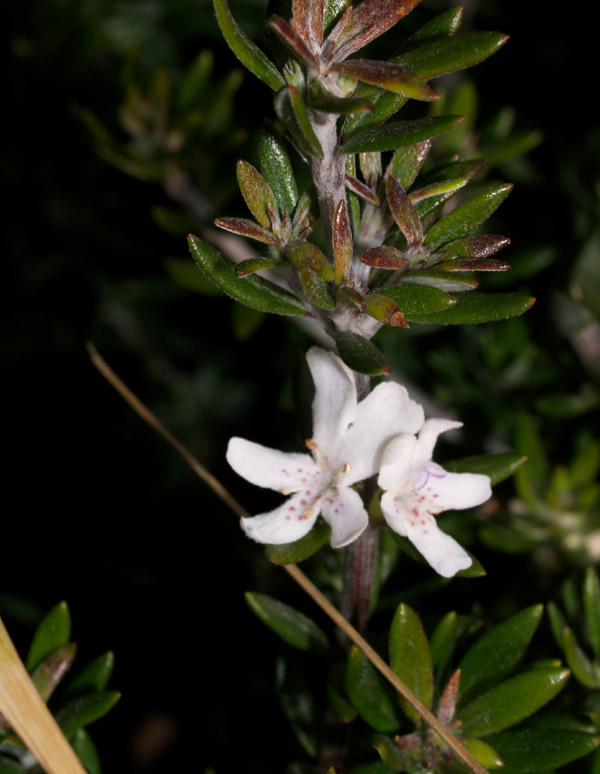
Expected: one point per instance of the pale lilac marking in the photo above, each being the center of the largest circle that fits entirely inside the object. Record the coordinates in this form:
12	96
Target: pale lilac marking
419	478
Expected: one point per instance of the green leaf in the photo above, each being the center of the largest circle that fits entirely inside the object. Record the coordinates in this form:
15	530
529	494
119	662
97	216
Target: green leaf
251	265
257	194
93	677
395	758
481	307
443	641
292	553
486	755
291	109
291	625
498	467
584	670
361	355
449	54
53	632
496	653
305	255
428	61
48	674
370	693
532	478
316	289
511	701
434	278
398	134
344	711
85	710
343	106
528	751
415	300
277	170
465	218
86	751
441	26
246	51
253	291
407	161
591	606
410	658
557	623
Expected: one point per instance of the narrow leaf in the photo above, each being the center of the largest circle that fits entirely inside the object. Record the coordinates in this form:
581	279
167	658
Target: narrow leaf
479	308
407	162
246	51
362	190
316	290
292	553
444	25
85	710
291	625
394	757
410	658
511	701
486	755
388	76
591	606
255	292
251	265
584	670
447	181
399	134
86	751
308	19
473	264
463	220
496	653
361	355
370	693
498	467
342	243
417	300
304	123
475	247
48	674
257	194
404	213
308	256
440	280
246	228
385	257
293	41
93	677
385	310
531	750
53	632
277	170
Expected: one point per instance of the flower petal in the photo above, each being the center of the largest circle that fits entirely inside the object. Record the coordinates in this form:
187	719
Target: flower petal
286	524
344	511
442	552
271	468
334	404
428	437
456	491
383	414
396	464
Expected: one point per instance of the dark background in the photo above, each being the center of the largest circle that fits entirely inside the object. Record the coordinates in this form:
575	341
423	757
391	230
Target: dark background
98	510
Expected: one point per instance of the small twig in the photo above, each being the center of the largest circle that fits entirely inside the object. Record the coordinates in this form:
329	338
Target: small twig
461	752
29	717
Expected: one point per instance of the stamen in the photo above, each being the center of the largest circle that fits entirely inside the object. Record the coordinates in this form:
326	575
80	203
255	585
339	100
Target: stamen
347	468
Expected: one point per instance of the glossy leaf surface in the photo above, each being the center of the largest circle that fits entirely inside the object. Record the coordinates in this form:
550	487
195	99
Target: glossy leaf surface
361	355
53	632
257	194
291	553
252	265
94	676
246	51
398	134
479	308
291	625
86	751
497	652
531	750
48	674
277	170
370	693
85	710
416	300
511	701
410	658
255	292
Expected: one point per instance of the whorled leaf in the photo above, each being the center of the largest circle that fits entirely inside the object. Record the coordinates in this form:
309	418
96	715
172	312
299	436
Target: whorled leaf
361	355
473	264
385	257
342	243
498	467
531	750
482	307
277	170
48	674
293	41
316	289
388	76
398	134
251	265
404	213
410	658
385	309
291	625
370	693
407	162
416	300
444	25
305	255
343	106
246	228
440	280
257	194
53	632
474	247
291	553
368	21
362	190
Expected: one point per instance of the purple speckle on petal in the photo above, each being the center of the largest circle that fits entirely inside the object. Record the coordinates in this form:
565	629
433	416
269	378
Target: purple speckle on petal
291	508
303	502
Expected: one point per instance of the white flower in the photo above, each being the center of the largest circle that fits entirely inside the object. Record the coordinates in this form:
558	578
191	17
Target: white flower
346	447
416	488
